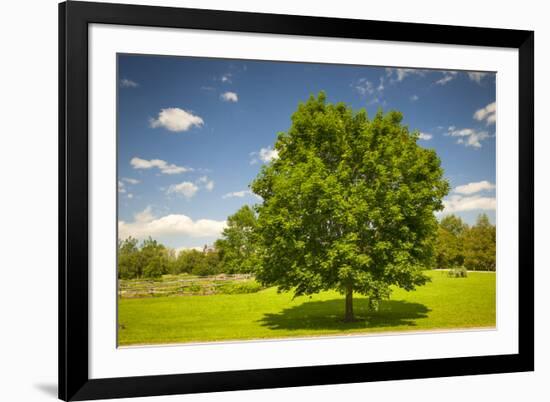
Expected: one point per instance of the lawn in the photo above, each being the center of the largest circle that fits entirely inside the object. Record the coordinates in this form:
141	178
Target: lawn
441	304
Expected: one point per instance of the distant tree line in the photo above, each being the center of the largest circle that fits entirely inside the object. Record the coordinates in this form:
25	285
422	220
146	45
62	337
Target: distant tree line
460	245
457	245
234	252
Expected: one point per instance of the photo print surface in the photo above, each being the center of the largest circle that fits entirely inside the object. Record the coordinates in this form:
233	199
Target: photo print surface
264	200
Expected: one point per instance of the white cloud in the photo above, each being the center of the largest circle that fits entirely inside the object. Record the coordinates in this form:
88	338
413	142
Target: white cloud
163	166
469	137
241	194
208	184
265	155
186	188
130	180
487	114
477	76
380	86
145	224
237	194
268	154
447	77
365	87
464	198
122	185
414	98
475	187
229	97
444	80
178	250
399	74
459	203
226	78
425	136
126	83
144	216
176	119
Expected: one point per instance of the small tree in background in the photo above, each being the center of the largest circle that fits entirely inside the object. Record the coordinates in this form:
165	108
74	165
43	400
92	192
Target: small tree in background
154	258
449	247
453	224
209	263
150	260
238	244
480	245
348	205
187	260
154	267
129	264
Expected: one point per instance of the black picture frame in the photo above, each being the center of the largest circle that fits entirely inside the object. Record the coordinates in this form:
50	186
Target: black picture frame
74	381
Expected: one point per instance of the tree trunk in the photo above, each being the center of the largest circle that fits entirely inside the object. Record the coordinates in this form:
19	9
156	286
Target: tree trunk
349	304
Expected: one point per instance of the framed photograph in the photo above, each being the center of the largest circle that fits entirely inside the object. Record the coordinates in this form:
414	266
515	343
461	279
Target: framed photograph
257	201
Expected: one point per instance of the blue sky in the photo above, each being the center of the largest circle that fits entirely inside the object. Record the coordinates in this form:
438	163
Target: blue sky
194	132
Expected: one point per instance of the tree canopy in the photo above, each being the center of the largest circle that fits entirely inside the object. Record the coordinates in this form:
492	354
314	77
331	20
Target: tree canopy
348	204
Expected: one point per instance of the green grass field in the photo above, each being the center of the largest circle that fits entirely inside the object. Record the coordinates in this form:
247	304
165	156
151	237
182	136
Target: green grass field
441	304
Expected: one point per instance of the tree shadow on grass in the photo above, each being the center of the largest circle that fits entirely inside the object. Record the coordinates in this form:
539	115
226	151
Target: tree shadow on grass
329	315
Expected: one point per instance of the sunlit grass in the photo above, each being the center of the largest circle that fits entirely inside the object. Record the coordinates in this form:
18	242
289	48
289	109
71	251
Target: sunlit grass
444	303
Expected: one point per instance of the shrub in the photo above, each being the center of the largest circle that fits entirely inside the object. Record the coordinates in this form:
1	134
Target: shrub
459	272
194	288
234	288
203	269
